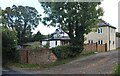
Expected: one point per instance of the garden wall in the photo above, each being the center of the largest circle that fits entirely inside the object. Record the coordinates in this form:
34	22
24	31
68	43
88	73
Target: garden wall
45	56
38	56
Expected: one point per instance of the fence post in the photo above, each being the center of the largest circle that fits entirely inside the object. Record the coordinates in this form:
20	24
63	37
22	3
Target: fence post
96	47
27	55
105	47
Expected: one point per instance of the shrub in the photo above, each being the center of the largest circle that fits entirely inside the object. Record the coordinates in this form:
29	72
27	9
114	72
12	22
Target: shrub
34	46
63	52
9	41
47	45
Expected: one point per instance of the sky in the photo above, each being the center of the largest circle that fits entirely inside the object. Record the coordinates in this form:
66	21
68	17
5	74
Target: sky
110	8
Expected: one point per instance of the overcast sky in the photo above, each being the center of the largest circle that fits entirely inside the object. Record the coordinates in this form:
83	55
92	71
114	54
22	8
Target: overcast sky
110	12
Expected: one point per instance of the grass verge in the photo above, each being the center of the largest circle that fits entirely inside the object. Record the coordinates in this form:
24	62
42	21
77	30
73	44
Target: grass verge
117	70
118	48
40	66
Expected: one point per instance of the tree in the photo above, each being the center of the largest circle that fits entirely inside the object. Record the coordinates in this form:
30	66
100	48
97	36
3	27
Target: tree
9	42
38	36
74	18
22	19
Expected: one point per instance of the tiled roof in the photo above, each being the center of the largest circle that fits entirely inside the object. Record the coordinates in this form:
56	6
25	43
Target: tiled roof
60	38
103	23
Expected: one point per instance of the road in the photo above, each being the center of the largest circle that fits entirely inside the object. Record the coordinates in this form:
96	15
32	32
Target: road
101	63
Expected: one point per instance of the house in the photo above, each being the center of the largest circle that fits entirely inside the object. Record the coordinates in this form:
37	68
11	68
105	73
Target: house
117	42
105	34
58	38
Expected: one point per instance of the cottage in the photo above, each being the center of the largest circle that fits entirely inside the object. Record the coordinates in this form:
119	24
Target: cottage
58	38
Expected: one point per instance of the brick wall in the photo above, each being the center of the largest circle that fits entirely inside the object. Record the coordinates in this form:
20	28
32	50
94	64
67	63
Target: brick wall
38	56
89	48
45	56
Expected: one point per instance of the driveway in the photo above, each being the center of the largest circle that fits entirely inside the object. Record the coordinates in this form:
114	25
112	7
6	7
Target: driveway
101	63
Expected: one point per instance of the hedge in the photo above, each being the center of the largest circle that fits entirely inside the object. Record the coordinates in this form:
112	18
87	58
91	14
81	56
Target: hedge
63	52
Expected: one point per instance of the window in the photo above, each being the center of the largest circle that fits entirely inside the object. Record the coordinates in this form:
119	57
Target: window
109	42
100	41
55	42
111	30
113	42
100	30
90	41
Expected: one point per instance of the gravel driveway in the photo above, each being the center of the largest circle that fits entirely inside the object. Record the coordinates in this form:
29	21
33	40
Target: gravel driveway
101	63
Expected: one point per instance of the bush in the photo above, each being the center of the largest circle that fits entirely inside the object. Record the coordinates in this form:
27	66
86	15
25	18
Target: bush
34	46
9	41
63	52
47	45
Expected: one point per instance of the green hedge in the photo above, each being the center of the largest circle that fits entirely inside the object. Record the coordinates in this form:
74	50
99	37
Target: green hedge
9	42
63	52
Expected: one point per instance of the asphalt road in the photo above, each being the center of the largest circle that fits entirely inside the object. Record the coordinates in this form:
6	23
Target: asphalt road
101	63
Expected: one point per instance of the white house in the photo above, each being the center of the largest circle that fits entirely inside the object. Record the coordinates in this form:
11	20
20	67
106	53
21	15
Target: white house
58	38
104	34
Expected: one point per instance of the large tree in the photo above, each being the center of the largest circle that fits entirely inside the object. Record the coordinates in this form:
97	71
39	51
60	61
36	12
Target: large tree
21	18
74	18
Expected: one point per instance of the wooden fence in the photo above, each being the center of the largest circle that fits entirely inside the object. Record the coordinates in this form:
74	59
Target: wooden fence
94	47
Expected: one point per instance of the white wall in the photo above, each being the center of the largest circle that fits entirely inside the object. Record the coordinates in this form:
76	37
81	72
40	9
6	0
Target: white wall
117	42
44	43
58	43
52	43
104	36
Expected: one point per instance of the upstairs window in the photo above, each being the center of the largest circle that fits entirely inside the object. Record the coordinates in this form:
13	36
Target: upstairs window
100	30
112	30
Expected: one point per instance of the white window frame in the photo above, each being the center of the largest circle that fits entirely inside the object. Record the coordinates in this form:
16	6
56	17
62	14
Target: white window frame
101	42
90	41
100	30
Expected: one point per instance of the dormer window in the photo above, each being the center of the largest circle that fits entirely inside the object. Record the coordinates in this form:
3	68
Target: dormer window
57	34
